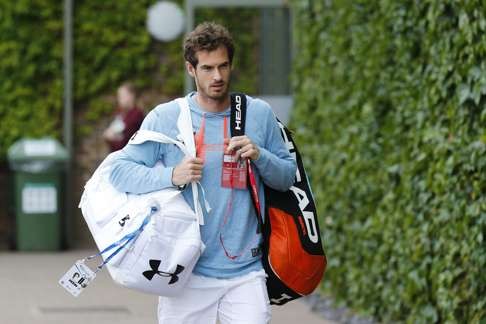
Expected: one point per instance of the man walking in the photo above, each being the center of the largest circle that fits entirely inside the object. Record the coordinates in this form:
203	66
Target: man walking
228	282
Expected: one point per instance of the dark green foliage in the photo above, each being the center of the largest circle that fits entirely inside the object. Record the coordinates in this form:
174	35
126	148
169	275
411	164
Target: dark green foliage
111	45
30	69
390	101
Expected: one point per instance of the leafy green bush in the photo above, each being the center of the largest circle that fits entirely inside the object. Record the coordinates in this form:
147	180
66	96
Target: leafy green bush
30	69
390	103
111	45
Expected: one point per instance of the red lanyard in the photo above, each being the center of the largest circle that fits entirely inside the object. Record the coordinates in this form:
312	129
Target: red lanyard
200	152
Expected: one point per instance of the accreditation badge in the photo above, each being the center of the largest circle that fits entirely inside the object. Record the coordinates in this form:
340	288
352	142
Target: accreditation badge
234	172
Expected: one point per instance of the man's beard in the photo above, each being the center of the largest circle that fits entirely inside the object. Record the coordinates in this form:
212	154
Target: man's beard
219	96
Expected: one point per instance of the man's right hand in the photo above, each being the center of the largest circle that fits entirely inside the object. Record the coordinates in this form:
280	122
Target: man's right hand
190	169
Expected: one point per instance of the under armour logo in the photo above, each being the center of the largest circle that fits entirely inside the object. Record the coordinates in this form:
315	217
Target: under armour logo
123	220
154	264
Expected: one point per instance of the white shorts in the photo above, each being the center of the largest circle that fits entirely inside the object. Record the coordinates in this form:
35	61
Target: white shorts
241	300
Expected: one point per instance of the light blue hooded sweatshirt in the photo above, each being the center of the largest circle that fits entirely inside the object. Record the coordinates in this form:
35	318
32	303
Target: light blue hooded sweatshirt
233	246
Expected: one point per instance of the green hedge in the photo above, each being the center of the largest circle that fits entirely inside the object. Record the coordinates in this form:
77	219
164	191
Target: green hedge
390	103
111	45
30	69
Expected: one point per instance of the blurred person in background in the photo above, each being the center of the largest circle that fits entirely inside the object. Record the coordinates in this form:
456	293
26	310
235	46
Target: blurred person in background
128	118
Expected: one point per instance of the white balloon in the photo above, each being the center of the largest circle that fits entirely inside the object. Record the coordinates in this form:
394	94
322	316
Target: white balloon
165	21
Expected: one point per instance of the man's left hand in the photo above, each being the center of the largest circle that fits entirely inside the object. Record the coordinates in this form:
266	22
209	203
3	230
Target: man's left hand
243	147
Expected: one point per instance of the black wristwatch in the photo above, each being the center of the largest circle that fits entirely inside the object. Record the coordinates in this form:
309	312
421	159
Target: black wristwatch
182	187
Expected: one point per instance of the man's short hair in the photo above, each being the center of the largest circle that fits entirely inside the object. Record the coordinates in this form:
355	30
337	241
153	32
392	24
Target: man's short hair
207	36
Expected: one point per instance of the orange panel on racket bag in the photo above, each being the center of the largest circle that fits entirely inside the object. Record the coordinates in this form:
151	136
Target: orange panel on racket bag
300	270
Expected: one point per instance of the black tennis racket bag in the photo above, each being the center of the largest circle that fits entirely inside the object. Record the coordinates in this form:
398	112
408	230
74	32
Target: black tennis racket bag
293	257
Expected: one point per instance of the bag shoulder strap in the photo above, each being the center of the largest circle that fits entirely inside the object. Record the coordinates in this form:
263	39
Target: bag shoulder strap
185	143
184	124
143	135
237	128
185	140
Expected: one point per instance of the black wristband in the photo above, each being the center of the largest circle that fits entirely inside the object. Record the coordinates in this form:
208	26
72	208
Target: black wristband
180	187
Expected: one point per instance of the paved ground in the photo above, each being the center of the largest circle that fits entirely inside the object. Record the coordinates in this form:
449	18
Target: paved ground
30	293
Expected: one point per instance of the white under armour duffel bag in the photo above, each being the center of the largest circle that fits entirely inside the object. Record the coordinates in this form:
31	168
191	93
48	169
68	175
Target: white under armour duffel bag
149	242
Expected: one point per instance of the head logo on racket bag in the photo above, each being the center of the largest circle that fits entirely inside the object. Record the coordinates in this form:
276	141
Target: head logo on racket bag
300	193
309	216
154	264
238	113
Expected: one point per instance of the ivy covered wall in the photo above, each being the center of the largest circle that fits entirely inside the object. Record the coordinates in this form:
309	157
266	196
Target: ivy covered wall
390	113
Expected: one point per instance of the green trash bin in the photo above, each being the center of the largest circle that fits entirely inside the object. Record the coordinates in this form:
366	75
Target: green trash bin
38	166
